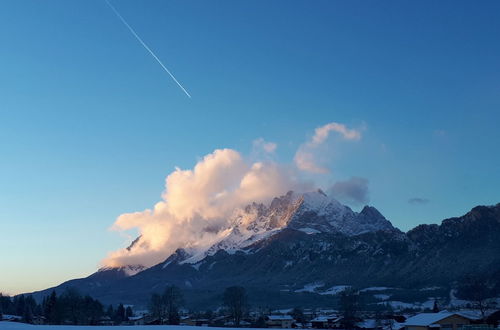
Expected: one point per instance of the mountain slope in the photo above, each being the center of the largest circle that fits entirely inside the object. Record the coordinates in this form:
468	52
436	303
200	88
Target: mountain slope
339	247
312	212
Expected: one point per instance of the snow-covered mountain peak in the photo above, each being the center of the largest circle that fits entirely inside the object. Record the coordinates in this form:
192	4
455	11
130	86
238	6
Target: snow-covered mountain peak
311	212
123	271
319	202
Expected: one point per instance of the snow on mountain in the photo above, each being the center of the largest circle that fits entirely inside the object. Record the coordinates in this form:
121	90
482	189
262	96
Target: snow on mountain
251	224
325	214
128	270
336	289
311	287
311	212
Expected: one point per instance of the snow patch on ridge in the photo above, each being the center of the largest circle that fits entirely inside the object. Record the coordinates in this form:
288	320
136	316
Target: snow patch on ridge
311	212
311	287
336	290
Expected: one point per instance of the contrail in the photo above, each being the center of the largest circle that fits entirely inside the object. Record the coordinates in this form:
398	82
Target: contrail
146	46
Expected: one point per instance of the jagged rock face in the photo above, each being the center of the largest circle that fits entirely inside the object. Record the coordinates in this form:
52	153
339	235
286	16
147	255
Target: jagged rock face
324	214
312	212
270	252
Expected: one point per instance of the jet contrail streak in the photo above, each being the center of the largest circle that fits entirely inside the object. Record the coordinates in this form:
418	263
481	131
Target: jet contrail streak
146	46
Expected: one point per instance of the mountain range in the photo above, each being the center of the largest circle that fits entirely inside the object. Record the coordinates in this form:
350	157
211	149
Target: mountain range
303	248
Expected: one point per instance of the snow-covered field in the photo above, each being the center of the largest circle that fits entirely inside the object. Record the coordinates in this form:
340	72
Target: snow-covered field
23	326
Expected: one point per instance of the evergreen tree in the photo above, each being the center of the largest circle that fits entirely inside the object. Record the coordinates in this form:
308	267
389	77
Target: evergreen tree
72	302
28	314
172	299
93	310
110	312
119	314
50	308
435	308
6	304
19	304
156	307
128	312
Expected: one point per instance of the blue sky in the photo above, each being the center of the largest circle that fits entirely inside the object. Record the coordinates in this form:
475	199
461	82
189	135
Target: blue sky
90	125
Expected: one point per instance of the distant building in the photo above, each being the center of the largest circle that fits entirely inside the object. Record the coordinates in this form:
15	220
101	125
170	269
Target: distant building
106	320
196	322
434	321
38	320
136	320
326	322
280	321
11	318
368	324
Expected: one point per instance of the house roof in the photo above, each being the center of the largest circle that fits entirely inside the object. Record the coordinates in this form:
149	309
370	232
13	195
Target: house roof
367	324
8	317
426	319
324	318
320	319
135	318
471	315
280	318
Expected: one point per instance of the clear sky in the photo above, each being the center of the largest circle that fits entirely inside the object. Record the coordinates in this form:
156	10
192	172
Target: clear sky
90	125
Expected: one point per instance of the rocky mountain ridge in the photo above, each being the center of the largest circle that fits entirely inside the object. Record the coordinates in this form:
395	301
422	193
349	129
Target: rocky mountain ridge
312	213
314	241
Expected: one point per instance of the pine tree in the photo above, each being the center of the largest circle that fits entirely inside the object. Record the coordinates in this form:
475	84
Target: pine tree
50	308
110	312
119	314
28	313
19	304
128	312
156	307
435	308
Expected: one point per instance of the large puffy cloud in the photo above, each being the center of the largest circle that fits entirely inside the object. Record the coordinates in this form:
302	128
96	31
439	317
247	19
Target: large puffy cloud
306	156
352	191
197	204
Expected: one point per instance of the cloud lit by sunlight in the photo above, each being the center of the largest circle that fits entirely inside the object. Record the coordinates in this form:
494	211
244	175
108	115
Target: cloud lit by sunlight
306	156
196	205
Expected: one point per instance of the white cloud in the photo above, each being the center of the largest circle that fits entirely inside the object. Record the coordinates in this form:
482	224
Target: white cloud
197	203
306	156
196	206
321	133
260	145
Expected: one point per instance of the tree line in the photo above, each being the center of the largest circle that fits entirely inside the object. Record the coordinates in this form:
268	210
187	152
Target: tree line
165	307
68	308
